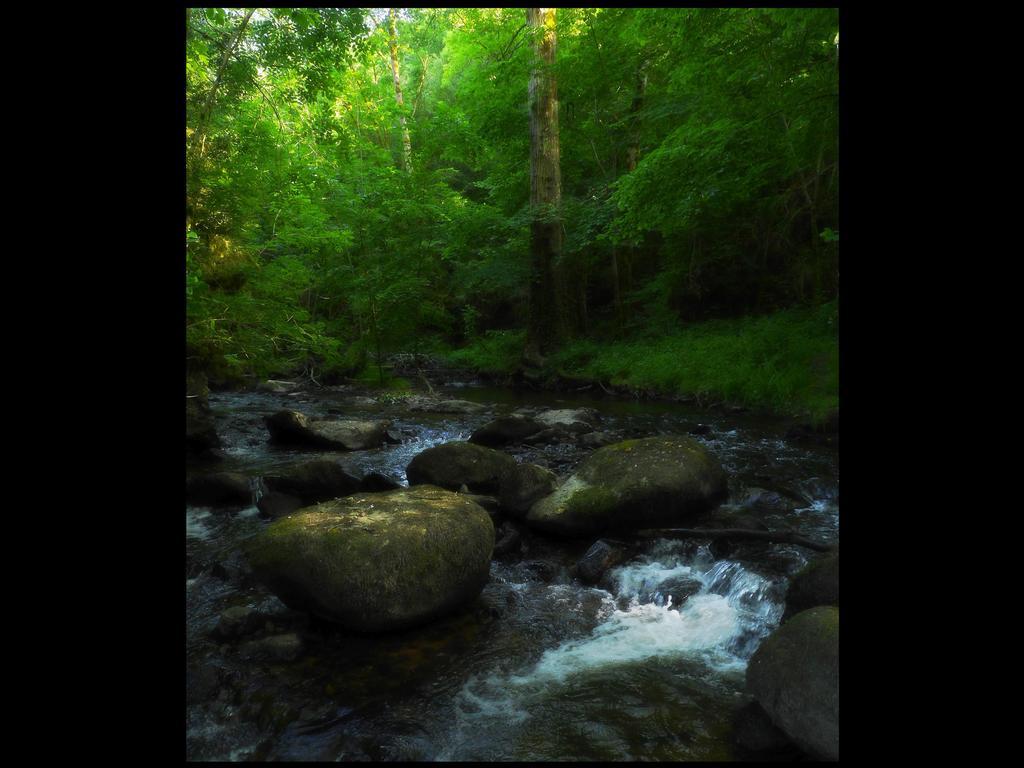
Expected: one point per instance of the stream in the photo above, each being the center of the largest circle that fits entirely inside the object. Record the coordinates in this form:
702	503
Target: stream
540	667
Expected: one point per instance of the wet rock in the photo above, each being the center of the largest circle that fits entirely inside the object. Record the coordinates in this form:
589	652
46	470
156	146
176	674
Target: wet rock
376	481
573	421
489	503
275	648
521	485
763	501
392	437
313	481
452	465
794	677
506	430
200	435
649	483
218	489
680	588
234	569
294	428
236	621
601	556
754	731
275	505
702	430
508	540
378	561
816	584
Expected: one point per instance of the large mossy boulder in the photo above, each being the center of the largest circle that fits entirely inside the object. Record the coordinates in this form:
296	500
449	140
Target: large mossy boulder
817	584
294	428
648	483
378	561
794	676
452	465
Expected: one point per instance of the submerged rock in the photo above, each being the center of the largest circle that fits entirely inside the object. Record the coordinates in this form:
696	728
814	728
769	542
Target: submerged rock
452	465
378	561
648	483
817	584
794	676
294	428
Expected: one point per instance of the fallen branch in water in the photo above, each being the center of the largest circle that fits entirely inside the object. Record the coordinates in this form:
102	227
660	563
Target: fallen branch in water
778	537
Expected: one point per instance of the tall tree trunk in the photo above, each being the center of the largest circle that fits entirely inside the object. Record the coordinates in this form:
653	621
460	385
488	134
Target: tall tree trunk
393	46
544	329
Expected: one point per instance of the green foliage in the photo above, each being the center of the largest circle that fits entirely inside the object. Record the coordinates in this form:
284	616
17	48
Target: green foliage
495	353
788	361
698	146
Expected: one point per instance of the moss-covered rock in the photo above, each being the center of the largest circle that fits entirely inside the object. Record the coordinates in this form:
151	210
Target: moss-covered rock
794	676
653	482
452	465
294	428
378	561
817	584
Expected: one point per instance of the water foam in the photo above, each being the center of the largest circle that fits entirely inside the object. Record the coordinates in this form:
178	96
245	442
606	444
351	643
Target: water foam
719	627
195	525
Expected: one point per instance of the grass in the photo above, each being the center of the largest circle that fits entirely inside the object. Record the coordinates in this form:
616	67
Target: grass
787	362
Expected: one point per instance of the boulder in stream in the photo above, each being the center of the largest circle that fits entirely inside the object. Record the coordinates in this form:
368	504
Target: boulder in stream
506	430
201	438
601	556
452	465
294	428
313	481
794	677
817	584
648	483
378	561
218	489
521	485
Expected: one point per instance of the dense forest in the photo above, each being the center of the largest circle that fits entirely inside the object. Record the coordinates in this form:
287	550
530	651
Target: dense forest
645	198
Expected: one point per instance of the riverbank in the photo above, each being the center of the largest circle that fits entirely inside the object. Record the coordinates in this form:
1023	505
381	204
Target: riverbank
786	363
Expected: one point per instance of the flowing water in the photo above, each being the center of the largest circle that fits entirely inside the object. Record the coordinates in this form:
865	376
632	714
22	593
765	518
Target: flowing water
540	667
